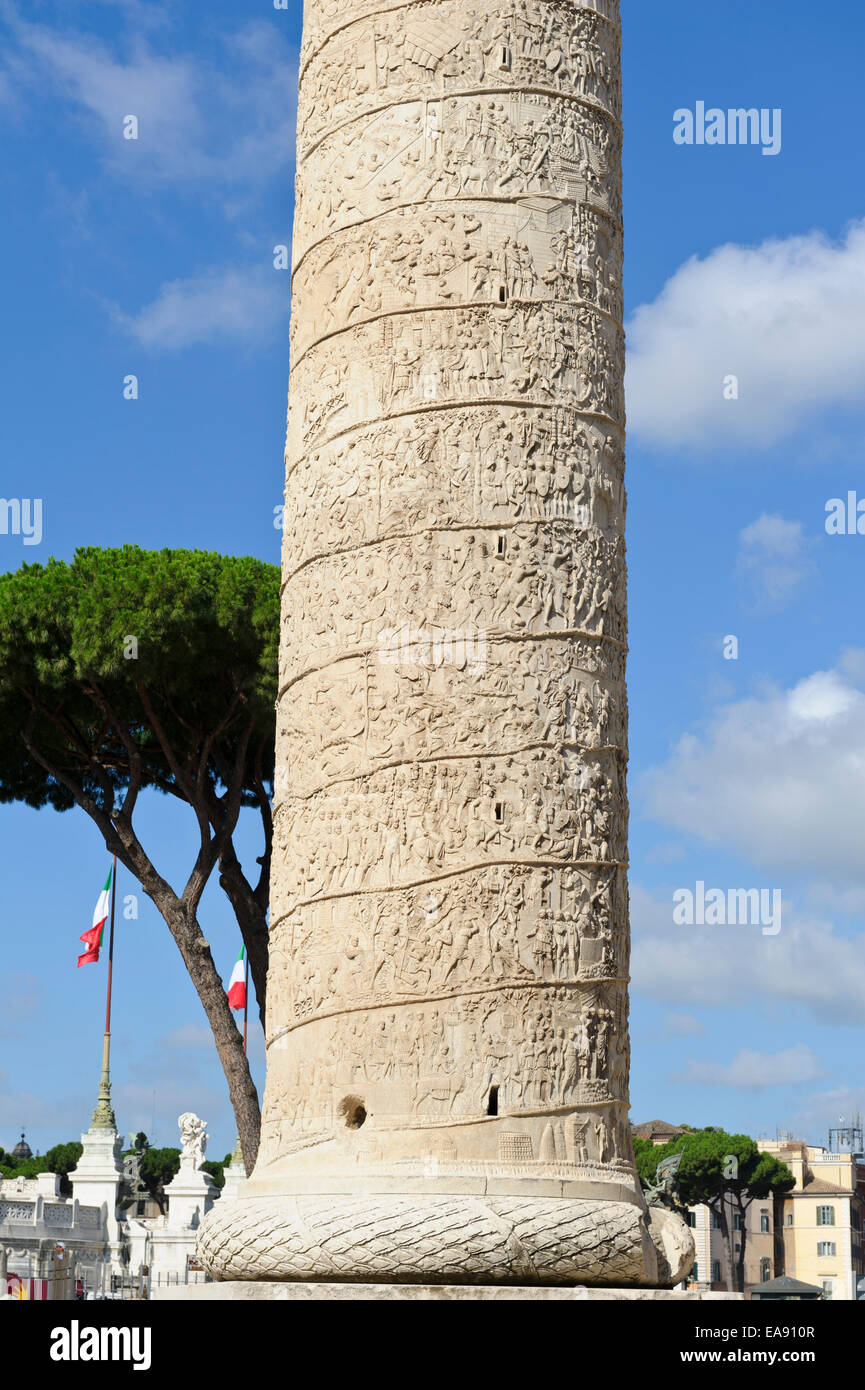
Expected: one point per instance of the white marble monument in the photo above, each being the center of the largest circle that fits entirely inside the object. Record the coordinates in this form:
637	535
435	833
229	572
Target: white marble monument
447	1082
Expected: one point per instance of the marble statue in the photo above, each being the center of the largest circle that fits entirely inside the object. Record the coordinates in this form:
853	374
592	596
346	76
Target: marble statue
193	1139
448	1055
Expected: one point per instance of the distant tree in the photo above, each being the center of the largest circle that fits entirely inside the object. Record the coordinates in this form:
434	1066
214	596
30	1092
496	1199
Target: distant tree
718	1168
216	1171
156	1168
130	670
62	1159
25	1168
646	1159
142	1143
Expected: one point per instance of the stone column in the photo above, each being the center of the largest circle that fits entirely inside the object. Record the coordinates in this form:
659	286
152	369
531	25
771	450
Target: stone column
447	1086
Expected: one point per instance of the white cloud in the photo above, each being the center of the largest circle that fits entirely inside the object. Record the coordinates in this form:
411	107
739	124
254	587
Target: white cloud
774	557
784	317
822	1110
216	306
754	1071
810	965
780	778
228	121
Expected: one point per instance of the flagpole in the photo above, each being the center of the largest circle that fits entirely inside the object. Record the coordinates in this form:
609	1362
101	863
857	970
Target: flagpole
245	998
103	1115
111	947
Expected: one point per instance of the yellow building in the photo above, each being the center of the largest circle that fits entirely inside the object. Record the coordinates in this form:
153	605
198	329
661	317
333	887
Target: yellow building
822	1218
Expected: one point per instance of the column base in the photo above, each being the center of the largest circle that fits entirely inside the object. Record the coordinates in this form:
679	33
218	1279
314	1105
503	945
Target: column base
443	1240
267	1292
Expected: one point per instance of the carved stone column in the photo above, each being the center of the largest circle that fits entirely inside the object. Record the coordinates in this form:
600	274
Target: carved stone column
447	1087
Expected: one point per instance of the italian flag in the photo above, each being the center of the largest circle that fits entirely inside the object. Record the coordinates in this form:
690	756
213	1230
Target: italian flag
237	983
93	938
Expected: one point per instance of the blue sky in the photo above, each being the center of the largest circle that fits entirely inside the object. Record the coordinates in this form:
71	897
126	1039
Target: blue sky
155	258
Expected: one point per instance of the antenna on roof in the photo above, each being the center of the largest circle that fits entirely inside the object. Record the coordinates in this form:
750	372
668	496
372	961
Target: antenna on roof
847	1137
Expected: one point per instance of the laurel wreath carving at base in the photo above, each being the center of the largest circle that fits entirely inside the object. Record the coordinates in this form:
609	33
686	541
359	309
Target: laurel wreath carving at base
444	1240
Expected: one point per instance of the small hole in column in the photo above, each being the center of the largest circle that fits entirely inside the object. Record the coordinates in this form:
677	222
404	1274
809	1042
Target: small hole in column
353	1111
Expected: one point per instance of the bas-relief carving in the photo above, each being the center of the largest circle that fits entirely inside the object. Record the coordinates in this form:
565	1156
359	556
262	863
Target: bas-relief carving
488	928
447	255
536	149
361	714
435	49
441	468
427	820
328	17
547	354
553	581
453	831
545	1051
449	940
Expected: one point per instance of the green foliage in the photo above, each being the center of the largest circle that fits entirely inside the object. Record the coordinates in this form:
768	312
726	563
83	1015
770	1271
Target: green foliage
646	1159
207	632
216	1171
142	1143
28	1168
62	1159
156	1168
706	1172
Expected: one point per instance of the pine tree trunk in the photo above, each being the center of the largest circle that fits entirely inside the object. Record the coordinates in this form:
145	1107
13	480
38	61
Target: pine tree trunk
226	1035
252	920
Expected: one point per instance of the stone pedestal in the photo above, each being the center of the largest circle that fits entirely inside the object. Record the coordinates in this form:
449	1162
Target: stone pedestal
251	1292
235	1176
166	1245
447	1012
170	1244
190	1196
96	1182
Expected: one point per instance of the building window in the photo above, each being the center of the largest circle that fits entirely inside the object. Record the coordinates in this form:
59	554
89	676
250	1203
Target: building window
855	1220
765	1270
692	1220
716	1271
790	1218
139	1209
828	1288
825	1216
716	1221
695	1273
825	1248
764	1222
737	1221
